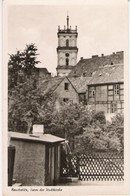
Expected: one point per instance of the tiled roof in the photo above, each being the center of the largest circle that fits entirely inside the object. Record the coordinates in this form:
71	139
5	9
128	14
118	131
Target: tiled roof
79	83
108	74
88	66
49	85
45	138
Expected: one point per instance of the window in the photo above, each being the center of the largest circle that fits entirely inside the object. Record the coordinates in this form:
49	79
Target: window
67	43
66	87
116	89
92	93
65	99
67	61
113	107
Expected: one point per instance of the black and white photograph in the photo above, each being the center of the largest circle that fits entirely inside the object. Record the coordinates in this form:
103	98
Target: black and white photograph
65	77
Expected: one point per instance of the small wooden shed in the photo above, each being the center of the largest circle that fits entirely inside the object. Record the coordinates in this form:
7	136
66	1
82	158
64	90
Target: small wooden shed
37	159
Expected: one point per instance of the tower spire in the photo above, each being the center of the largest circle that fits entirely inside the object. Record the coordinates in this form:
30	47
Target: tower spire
67	21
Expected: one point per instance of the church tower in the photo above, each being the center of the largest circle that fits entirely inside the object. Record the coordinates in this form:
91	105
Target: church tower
67	49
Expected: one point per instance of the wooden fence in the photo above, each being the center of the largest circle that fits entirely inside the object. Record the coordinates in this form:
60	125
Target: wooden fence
95	166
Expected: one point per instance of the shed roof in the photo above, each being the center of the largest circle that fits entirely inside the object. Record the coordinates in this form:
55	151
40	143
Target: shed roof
45	138
108	74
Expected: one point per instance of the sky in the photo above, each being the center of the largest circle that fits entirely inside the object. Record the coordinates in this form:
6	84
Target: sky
102	28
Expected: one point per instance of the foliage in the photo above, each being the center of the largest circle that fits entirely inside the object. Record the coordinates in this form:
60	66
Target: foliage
28	106
22	61
99	118
103	137
70	120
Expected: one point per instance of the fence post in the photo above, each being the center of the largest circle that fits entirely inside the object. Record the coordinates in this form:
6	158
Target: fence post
78	166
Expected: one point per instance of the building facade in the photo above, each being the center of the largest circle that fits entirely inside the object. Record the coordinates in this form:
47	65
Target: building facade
67	49
106	89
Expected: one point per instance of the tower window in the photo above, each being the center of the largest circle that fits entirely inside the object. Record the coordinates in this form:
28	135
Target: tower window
67	42
67	61
66	87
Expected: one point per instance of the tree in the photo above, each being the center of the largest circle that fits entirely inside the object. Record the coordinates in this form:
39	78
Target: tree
23	61
70	120
27	106
102	137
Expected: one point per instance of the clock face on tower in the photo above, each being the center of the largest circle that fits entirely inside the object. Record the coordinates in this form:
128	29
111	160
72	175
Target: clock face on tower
67	54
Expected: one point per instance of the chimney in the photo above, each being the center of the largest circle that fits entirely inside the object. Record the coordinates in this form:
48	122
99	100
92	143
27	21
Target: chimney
119	52
94	56
81	58
38	129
